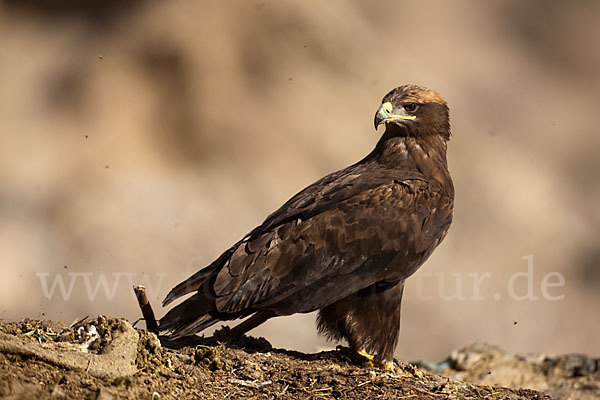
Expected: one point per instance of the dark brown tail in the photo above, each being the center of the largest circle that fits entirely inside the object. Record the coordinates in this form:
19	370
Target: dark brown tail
189	317
197	312
195	281
191	284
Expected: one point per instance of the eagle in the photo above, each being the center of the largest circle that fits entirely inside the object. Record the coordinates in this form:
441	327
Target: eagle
344	245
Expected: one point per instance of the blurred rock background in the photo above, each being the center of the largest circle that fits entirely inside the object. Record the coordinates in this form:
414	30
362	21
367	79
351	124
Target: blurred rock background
138	140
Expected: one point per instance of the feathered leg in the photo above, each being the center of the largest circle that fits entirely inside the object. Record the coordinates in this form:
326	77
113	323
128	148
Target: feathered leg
369	320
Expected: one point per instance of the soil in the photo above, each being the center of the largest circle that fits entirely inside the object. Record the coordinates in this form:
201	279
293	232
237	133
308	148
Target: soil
569	376
105	358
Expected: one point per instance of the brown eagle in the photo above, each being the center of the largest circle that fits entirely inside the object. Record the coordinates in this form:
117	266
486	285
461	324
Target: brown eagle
344	245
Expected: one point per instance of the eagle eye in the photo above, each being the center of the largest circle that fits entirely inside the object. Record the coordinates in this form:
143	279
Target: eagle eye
411	107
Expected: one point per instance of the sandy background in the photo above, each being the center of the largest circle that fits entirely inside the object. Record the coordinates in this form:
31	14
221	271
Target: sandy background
138	140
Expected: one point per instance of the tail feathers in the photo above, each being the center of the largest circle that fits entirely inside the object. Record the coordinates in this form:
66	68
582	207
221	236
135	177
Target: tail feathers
195	281
200	324
189	317
191	284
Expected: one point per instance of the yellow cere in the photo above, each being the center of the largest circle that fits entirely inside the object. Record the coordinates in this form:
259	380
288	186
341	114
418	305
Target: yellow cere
387	106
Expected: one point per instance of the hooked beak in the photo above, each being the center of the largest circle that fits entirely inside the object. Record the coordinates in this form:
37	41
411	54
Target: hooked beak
384	114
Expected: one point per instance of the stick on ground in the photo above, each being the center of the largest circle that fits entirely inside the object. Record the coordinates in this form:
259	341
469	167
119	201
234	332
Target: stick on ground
147	312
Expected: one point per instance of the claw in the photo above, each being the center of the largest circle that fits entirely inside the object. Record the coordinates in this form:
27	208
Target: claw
389	366
366	355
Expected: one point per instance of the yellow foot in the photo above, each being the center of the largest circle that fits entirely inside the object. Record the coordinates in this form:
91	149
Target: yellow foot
366	355
366	358
389	366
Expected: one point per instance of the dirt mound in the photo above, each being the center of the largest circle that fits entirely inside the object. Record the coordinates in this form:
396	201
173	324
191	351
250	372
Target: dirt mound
569	376
105	358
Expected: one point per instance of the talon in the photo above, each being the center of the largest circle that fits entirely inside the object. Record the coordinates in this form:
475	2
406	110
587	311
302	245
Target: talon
366	355
389	366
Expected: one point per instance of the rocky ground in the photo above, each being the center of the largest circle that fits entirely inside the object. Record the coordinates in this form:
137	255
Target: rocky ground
106	358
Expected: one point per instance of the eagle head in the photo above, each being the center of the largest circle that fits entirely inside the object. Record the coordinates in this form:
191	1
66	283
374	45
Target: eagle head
413	110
